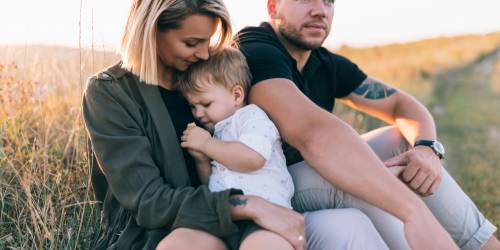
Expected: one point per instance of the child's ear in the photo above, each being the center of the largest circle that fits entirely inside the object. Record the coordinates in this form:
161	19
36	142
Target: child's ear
238	94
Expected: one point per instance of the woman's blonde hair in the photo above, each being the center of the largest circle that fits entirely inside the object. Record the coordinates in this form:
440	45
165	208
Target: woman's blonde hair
147	17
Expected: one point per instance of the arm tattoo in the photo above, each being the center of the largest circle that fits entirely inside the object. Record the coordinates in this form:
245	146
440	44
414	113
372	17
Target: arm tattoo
372	89
238	202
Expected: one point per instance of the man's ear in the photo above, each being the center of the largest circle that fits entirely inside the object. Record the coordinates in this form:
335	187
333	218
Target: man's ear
271	8
238	94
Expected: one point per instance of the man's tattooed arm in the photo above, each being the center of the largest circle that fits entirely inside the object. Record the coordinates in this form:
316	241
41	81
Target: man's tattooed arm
373	89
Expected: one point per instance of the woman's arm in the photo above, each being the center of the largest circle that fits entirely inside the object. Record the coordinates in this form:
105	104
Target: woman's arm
283	221
204	171
124	154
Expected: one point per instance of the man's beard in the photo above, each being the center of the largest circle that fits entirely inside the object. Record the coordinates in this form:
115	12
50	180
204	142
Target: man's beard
295	38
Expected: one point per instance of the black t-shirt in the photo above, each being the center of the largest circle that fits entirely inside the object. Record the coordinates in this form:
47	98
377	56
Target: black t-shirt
325	76
181	116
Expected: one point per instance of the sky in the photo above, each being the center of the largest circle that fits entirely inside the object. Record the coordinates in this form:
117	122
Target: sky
357	23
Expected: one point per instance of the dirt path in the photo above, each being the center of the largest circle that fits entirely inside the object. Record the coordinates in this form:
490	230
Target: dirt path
466	107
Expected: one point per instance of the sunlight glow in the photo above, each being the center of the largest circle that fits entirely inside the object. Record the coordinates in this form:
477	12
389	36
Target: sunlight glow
356	22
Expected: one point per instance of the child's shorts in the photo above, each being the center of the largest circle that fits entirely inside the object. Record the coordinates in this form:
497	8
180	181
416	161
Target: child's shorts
246	227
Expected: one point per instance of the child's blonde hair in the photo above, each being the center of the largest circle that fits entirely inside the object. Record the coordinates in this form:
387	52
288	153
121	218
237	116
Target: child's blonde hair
226	68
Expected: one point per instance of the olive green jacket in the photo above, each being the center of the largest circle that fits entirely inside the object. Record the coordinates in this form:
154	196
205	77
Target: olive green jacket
146	191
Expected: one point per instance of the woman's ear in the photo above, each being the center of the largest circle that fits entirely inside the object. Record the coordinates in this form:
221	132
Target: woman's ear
238	94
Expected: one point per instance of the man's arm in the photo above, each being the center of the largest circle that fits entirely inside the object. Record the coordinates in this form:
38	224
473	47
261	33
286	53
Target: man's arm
423	172
394	107
338	153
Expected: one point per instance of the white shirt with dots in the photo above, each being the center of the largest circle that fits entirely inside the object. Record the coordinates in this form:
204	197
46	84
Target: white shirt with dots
251	126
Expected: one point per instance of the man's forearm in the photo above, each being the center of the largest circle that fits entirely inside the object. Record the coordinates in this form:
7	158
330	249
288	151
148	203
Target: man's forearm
338	153
414	120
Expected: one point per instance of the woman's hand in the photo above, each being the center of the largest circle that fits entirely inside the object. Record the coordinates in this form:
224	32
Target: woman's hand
281	220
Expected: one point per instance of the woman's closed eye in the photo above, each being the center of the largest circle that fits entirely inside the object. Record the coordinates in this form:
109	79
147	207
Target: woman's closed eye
191	43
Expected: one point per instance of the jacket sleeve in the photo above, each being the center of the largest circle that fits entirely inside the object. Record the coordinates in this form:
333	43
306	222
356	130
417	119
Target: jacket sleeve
114	124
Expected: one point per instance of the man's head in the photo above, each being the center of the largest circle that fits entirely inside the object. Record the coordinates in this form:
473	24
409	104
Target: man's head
304	24
216	88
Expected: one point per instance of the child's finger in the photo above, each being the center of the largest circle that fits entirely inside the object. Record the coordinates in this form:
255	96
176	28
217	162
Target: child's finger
187	131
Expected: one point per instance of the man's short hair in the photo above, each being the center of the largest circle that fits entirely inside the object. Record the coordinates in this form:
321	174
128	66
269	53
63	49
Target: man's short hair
227	68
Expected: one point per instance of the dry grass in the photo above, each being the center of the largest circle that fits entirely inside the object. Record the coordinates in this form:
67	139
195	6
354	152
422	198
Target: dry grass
411	66
46	199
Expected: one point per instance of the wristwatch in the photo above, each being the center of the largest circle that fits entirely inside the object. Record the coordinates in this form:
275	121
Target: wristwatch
436	146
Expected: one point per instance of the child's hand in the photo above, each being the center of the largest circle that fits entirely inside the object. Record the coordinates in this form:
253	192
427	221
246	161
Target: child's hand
195	138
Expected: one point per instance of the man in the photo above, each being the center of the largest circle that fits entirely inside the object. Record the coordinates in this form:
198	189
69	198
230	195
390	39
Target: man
296	82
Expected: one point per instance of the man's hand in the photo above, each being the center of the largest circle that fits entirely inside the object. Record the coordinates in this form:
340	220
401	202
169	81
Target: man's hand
423	170
422	226
195	138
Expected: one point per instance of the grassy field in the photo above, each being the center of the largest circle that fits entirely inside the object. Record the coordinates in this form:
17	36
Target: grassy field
46	201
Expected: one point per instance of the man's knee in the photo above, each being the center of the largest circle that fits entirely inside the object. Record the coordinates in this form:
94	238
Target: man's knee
312	192
343	228
305	177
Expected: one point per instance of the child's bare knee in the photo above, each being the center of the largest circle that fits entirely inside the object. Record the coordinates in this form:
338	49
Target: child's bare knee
263	239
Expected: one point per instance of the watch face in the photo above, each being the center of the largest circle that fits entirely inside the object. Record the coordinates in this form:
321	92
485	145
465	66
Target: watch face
438	147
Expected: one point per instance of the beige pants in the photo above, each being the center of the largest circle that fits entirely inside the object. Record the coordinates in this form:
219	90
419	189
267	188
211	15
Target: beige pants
451	206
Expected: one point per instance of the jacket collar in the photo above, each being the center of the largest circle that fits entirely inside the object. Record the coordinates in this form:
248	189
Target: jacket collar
172	153
174	164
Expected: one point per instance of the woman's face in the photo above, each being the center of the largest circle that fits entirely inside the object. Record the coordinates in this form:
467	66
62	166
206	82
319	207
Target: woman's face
179	48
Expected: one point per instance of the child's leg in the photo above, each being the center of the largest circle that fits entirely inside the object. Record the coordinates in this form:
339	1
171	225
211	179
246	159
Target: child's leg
263	239
190	239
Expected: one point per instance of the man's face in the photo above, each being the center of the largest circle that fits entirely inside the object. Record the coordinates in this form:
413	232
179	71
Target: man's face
304	23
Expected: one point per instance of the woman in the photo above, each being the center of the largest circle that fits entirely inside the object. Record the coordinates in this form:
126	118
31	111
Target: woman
151	194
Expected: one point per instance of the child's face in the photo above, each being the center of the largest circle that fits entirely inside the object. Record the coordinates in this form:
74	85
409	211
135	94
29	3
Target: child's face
215	103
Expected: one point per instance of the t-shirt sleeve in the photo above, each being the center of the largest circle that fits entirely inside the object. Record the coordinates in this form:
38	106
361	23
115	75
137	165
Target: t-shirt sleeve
348	75
257	131
266	61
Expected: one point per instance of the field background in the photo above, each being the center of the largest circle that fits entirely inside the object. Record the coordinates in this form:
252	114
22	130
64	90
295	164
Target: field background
46	201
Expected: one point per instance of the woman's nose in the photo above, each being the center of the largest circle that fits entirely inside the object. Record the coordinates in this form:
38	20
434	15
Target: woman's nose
202	52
